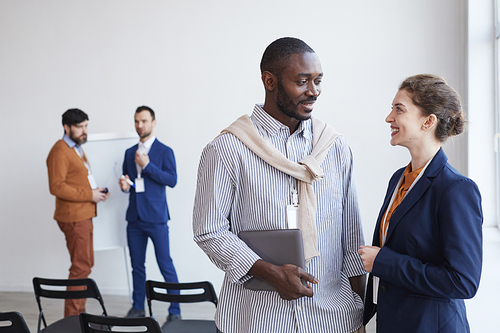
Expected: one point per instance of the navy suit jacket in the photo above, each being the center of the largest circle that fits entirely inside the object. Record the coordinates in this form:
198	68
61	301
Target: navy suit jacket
432	257
151	205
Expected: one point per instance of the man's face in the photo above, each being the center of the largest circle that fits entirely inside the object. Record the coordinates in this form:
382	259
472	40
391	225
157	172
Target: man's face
78	132
299	86
144	124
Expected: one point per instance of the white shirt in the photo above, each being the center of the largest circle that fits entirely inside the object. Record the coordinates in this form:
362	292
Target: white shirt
239	191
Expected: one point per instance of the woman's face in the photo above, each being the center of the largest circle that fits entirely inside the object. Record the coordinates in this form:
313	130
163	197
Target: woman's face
406	121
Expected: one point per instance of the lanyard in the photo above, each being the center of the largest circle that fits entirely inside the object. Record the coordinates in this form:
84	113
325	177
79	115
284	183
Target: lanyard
294	192
142	149
80	154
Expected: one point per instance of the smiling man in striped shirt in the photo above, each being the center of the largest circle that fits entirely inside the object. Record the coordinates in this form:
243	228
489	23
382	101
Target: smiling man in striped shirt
246	179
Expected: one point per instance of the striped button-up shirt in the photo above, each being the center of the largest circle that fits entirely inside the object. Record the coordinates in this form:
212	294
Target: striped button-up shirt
238	191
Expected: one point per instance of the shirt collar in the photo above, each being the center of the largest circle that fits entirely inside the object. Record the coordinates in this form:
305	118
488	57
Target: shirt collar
410	176
148	142
273	126
72	144
69	142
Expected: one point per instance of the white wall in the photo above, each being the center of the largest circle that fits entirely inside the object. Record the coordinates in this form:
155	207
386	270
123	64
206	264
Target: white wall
196	63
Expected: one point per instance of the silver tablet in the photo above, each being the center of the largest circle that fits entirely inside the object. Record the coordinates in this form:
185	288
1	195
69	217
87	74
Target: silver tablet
278	247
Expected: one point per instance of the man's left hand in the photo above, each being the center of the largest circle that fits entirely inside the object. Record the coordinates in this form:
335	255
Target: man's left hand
285	279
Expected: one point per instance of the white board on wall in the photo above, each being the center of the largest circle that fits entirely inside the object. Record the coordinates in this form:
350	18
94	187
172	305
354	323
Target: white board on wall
105	152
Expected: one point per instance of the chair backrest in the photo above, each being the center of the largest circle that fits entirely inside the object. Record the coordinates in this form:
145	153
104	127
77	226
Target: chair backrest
88	289
207	294
16	325
97	324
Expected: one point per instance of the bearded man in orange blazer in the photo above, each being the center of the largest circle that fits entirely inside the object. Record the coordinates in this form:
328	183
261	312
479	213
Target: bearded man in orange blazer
76	192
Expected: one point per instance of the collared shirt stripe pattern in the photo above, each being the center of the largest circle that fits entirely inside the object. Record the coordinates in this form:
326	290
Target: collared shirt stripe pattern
238	191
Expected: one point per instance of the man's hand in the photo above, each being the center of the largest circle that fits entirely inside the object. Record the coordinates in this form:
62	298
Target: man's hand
123	183
285	279
98	195
141	159
368	255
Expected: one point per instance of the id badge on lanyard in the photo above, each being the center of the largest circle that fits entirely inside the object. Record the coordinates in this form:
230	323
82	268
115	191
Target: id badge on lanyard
293	211
139	184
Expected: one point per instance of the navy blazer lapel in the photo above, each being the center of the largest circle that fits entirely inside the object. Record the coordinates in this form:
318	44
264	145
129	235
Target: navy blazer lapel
132	172
152	151
418	190
390	189
408	201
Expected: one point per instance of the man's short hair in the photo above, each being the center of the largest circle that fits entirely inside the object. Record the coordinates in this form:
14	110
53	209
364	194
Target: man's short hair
74	116
276	55
146	108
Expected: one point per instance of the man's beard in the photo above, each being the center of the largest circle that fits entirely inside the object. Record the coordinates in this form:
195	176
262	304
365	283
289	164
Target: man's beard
78	140
286	105
145	135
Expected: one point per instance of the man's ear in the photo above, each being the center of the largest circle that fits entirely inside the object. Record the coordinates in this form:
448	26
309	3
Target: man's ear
270	81
66	129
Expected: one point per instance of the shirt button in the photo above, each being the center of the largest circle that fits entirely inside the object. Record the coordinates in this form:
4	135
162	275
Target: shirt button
299	308
383	288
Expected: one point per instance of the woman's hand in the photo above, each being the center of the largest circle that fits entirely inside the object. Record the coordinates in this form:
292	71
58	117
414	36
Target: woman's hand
368	255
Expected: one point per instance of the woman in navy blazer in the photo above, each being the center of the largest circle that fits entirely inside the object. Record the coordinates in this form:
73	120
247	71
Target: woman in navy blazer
430	256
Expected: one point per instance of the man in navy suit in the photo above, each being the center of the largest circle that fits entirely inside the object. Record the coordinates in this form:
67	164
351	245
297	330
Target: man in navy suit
148	167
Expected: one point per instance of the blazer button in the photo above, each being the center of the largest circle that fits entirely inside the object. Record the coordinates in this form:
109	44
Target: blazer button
383	288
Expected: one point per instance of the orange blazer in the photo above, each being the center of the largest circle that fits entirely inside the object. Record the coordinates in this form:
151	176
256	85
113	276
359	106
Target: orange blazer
69	183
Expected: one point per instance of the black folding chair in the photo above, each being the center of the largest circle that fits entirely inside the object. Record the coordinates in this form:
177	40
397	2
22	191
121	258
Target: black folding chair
183	326
71	323
96	324
12	322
